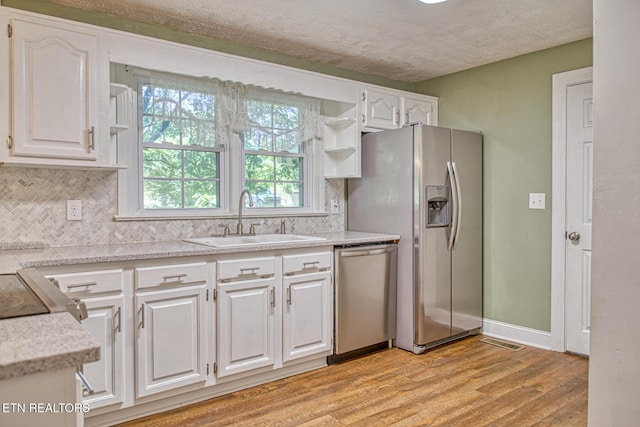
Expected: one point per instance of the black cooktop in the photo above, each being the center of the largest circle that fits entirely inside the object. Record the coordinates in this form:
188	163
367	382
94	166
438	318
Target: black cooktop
16	299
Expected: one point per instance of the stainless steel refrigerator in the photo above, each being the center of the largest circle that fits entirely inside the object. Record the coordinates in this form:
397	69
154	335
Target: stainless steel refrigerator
425	184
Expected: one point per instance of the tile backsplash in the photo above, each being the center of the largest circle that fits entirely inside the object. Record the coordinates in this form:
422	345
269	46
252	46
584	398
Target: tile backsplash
33	209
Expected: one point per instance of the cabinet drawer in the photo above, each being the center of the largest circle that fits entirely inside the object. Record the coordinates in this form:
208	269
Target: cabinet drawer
179	274
89	282
308	262
246	268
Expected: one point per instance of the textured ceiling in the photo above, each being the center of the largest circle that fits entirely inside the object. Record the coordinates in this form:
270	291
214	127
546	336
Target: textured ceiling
399	39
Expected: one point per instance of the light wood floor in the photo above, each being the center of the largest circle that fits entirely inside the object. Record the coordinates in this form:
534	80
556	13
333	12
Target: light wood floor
467	383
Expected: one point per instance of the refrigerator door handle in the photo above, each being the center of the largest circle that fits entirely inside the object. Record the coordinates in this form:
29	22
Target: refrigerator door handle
459	216
454	215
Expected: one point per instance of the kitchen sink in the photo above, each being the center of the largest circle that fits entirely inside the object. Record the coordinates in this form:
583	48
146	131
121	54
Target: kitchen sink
258	239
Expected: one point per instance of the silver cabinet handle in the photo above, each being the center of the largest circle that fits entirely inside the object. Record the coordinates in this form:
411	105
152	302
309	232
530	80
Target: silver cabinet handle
249	270
289	295
574	236
310	264
81	285
175	276
92	138
273	297
85	383
142	316
118	317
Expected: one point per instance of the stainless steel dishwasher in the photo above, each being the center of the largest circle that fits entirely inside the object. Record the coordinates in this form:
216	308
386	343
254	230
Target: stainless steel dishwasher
365	296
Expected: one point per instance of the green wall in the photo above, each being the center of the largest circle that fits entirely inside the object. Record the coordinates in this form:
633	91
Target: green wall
157	31
510	102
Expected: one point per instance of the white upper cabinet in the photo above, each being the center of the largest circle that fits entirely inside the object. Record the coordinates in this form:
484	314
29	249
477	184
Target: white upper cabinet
54	78
390	109
58	108
416	110
381	110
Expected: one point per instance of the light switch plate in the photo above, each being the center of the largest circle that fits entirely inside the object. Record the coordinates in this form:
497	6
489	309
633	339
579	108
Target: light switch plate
537	200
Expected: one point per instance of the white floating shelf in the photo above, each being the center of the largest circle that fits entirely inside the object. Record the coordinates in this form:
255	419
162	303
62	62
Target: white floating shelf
116	89
340	123
117	128
340	150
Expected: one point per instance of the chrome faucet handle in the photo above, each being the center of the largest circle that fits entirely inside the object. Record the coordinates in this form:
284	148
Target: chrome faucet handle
252	229
225	232
283	227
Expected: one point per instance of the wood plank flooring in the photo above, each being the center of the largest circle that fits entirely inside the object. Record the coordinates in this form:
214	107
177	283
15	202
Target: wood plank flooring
466	383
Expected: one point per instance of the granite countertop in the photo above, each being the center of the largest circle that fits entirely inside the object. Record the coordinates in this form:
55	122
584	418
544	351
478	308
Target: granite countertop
42	343
47	342
12	260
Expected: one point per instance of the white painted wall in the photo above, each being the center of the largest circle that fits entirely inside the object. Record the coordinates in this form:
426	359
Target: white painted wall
614	370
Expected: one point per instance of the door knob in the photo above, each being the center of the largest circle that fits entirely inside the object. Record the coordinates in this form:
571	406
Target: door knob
574	236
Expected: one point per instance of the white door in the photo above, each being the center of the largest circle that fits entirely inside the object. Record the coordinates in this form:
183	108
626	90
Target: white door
170	350
307	318
579	173
246	326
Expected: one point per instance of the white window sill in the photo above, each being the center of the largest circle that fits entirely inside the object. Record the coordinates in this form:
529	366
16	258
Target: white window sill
245	214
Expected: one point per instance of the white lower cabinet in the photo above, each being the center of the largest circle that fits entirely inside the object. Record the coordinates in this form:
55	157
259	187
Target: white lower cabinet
307	323
106	377
170	342
161	332
102	293
246	326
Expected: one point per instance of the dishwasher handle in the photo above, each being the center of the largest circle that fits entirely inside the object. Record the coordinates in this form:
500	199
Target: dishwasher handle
364	252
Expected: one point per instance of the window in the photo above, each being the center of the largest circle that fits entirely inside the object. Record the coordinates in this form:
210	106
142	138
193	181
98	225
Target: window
274	159
179	155
196	143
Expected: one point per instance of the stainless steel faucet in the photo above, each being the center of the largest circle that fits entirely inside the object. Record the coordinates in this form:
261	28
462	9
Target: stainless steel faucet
239	230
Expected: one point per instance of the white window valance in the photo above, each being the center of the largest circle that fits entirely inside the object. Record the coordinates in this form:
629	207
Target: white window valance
232	99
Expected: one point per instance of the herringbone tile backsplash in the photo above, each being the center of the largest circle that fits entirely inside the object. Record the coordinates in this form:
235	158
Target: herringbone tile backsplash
33	209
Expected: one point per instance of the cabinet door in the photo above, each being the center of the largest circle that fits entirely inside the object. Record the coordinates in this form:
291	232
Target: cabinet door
417	111
381	109
171	338
53	80
246	325
105	375
307	319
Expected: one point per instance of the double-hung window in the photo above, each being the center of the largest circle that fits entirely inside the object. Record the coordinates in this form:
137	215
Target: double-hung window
274	153
179	155
196	143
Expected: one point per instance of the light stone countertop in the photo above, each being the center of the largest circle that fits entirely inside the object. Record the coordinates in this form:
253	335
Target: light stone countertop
46	342
12	260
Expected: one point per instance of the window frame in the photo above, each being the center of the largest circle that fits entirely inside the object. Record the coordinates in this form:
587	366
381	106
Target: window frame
141	145
231	170
301	154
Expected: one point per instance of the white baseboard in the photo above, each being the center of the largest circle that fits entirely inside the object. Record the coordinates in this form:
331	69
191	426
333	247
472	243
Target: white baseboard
517	334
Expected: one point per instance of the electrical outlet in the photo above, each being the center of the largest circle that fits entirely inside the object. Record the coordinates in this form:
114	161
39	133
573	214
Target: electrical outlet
334	206
74	210
536	200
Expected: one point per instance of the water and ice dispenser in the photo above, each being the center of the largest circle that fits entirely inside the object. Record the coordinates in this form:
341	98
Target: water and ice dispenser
437	205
